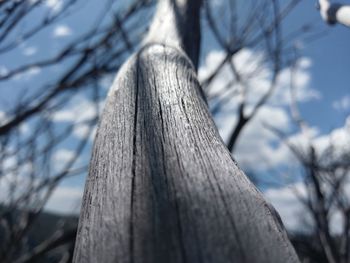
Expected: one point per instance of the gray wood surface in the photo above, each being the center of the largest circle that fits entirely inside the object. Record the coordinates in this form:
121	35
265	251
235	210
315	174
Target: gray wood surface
162	185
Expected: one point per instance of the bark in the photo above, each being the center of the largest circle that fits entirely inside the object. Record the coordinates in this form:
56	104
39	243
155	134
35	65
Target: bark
162	186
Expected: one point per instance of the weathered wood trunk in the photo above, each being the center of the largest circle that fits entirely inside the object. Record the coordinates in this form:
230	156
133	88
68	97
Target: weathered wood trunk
162	185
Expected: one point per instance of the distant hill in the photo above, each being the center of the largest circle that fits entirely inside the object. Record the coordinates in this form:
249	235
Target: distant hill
44	227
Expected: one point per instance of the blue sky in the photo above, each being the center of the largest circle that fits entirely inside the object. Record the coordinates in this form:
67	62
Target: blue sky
330	70
324	71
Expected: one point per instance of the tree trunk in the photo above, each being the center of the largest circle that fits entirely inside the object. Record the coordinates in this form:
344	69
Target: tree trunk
162	186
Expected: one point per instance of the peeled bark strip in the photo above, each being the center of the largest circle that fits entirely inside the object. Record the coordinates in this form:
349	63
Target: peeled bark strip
162	186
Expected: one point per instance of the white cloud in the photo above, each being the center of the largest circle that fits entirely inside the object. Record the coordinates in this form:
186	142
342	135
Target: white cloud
338	138
3	117
65	200
256	75
54	5
33	71
61	158
288	206
257	147
302	140
61	31
83	130
15	180
295	216
3	70
23	127
107	81
292	211
27	75
30	51
81	110
301	84
305	63
63	155
342	104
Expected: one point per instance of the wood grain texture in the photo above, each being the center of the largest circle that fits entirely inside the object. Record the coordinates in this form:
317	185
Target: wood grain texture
162	185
